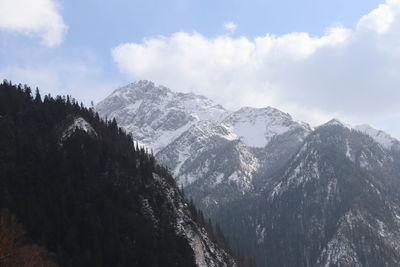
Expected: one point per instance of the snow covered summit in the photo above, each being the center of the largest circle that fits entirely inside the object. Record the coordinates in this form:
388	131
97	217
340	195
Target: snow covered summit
154	114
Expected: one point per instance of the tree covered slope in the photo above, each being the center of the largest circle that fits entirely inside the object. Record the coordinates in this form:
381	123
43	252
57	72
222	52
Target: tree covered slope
86	192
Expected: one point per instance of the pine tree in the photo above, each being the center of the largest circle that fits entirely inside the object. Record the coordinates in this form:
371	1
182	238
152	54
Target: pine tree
38	98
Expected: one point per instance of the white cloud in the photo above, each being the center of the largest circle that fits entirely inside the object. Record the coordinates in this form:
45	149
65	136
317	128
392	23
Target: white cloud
79	73
230	26
380	19
86	85
80	77
352	74
33	17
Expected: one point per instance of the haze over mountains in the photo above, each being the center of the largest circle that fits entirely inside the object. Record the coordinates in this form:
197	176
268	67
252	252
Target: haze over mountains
287	193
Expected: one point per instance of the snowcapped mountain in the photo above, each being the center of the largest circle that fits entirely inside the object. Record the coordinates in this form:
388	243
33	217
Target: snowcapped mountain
203	144
155	115
288	194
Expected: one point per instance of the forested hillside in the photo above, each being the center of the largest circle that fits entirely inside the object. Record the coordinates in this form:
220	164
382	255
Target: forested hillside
85	191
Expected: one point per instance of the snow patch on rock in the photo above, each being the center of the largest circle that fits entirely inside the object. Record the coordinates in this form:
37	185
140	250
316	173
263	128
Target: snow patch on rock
78	124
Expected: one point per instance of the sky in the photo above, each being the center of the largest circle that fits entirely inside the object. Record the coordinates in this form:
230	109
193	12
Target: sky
315	59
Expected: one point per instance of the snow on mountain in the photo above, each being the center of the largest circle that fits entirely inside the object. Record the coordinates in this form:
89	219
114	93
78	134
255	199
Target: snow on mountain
273	183
209	160
336	122
327	208
154	114
257	126
385	139
182	128
193	136
203	144
191	143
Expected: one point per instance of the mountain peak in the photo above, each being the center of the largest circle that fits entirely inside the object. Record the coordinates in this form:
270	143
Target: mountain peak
155	115
141	83
141	87
335	121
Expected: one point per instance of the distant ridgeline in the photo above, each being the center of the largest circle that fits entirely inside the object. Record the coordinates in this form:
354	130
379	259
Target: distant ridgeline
82	189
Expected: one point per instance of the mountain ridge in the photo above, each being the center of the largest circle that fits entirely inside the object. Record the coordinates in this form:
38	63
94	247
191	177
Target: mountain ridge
216	111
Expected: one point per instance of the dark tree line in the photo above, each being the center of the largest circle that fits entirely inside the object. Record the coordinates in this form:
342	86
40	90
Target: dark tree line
81	199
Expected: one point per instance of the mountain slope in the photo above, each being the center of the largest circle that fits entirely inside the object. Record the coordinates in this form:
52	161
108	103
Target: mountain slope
285	193
83	189
332	205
